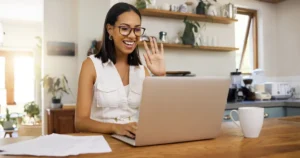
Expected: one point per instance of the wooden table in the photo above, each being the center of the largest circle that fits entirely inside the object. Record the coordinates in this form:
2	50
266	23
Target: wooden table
279	138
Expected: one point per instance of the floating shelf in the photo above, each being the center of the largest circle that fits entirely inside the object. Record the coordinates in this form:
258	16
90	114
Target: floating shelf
181	46
190	16
204	48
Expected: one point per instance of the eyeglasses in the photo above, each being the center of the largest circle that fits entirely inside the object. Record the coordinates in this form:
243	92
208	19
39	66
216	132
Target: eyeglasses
125	30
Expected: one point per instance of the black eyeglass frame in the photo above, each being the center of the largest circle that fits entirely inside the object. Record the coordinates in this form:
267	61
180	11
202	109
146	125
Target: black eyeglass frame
142	28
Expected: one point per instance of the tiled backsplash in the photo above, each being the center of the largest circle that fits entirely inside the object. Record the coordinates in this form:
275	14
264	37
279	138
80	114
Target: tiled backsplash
294	81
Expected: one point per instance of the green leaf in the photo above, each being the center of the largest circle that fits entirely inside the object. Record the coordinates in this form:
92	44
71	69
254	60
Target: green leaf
196	28
50	83
57	83
197	23
65	79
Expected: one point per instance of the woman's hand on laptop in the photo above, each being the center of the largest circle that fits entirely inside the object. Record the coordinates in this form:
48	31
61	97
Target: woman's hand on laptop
125	129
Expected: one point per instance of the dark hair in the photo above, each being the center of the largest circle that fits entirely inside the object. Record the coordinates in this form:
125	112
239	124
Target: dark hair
107	49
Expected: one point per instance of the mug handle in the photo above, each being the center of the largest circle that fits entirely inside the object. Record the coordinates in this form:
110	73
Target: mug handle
234	121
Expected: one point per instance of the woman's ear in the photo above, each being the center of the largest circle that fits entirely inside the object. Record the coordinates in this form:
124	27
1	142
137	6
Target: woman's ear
109	29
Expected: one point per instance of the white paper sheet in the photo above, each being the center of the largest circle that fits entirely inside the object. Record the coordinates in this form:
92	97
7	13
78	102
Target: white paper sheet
58	145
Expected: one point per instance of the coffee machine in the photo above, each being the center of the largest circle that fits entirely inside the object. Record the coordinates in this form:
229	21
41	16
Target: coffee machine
248	90
235	93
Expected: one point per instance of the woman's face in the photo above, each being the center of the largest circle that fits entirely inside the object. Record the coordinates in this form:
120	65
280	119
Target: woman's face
126	32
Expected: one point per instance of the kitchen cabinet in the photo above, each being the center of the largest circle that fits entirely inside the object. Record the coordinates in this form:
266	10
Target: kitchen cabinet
292	111
227	118
271	112
274	112
61	121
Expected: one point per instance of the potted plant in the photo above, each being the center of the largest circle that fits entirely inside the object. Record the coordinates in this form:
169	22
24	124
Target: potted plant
188	34
56	86
7	123
32	110
142	4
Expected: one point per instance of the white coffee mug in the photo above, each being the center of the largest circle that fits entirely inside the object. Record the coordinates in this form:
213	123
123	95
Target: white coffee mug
251	120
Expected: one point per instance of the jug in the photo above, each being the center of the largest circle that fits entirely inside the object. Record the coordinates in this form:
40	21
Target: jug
229	11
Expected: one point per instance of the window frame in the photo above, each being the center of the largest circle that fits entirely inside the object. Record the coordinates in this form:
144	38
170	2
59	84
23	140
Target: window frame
9	72
253	20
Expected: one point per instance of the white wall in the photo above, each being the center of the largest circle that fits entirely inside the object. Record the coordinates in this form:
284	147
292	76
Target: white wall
21	10
288	45
288	38
60	24
22	22
20	34
91	17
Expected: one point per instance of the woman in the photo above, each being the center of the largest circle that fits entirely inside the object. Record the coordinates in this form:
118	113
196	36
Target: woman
110	83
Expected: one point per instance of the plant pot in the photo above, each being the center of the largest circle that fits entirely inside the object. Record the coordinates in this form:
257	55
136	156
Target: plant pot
56	103
8	125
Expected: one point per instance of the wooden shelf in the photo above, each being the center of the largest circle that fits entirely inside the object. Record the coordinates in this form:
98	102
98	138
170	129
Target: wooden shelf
190	16
181	46
203	48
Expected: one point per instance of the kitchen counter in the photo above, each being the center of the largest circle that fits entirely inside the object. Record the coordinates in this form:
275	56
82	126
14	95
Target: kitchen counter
280	137
271	103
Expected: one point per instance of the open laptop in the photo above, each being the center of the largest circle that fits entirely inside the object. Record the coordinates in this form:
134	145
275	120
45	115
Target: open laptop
180	109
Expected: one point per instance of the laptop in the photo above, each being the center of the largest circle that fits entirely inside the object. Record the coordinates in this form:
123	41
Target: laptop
179	109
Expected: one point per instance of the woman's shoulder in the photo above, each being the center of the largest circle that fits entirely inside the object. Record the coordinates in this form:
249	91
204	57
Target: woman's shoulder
87	63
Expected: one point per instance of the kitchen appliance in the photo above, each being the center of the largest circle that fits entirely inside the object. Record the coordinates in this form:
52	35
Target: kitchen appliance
278	90
258	76
260	93
248	90
235	93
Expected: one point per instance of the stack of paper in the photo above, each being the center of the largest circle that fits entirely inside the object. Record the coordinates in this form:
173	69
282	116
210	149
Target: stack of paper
58	145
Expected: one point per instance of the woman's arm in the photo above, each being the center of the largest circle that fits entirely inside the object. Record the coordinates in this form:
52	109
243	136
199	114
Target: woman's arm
83	123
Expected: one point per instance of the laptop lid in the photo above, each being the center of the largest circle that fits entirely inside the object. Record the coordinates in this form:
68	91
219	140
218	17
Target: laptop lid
178	109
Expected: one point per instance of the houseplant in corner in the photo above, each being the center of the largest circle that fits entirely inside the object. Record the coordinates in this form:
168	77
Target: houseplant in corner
7	123
32	110
56	86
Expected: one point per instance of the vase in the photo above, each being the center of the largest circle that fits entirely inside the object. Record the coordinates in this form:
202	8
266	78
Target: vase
200	9
188	37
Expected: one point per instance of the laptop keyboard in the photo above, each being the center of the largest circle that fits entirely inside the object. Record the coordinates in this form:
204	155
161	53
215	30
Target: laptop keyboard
125	139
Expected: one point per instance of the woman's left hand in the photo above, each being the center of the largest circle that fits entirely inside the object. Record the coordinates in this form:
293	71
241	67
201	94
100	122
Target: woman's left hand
155	58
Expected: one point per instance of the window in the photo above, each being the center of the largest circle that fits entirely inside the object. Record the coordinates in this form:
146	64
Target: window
246	40
16	77
2	82
2	73
24	79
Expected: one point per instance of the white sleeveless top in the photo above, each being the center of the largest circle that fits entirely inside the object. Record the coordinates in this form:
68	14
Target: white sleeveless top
113	102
